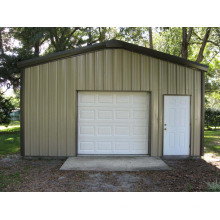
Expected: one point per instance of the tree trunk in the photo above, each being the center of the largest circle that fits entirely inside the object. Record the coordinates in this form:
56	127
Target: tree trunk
151	38
202	48
1	42
184	53
37	48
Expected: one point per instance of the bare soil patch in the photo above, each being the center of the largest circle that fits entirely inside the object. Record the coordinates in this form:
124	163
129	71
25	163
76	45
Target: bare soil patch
17	174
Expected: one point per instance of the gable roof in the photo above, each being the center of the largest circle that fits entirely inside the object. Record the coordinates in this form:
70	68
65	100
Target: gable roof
112	44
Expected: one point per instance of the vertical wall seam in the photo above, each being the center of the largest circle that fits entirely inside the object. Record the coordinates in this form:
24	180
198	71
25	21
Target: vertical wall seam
22	105
202	113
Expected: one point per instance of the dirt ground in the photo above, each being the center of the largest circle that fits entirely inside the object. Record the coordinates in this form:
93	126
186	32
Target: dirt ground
17	174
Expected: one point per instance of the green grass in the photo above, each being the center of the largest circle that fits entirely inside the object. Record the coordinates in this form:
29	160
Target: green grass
212	142
13	124
9	144
9	179
10	130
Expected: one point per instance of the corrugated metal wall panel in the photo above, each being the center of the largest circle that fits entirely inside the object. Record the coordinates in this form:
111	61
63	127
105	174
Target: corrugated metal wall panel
191	92
61	110
90	71
27	106
99	70
108	70
172	81
51	92
52	106
145	73
154	107
43	111
162	83
81	72
197	88
117	70
136	72
181	80
71	83
35	129
127	70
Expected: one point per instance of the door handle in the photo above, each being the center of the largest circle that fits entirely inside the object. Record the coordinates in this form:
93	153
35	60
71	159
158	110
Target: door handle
165	129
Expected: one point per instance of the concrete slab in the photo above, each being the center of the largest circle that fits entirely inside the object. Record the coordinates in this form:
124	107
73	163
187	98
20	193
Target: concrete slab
114	163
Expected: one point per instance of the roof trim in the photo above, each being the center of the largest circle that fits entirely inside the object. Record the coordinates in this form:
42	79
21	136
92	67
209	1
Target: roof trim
112	44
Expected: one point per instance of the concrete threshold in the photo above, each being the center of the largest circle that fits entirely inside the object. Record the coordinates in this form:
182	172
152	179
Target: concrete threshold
112	163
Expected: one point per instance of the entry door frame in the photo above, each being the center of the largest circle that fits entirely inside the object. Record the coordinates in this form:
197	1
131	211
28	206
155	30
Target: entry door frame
190	127
77	91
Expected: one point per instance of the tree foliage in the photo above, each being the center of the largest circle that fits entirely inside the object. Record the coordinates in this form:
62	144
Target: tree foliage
6	107
199	44
212	118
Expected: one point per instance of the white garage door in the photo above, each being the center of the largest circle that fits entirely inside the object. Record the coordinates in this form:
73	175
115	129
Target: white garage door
113	122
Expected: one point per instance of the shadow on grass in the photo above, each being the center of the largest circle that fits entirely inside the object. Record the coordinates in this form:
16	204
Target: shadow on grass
9	144
212	142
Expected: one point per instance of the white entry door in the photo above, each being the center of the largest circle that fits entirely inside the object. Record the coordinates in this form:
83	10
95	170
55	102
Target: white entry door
113	122
176	125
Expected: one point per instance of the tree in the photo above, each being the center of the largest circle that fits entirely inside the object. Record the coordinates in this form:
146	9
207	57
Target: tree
16	99
6	107
31	38
202	48
151	38
185	41
64	38
9	73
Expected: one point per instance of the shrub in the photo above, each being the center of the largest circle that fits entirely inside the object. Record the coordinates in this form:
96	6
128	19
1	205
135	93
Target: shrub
212	118
213	187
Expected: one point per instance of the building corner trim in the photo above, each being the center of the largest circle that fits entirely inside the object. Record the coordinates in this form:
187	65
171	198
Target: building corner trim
202	112
22	118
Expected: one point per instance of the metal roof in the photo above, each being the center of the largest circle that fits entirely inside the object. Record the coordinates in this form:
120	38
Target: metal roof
112	44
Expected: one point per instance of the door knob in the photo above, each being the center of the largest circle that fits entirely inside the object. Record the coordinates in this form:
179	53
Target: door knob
165	129
165	124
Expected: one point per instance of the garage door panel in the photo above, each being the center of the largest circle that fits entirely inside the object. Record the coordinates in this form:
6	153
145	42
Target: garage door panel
105	98
113	122
86	114
87	130
122	131
104	130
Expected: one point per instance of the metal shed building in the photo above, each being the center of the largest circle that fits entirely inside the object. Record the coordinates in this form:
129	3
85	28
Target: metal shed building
112	98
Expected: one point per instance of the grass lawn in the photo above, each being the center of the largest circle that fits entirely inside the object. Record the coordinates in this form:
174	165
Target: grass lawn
10	138
13	124
9	144
212	142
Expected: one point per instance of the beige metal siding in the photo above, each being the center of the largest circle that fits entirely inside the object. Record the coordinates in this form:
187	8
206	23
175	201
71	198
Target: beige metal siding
126	69
51	96
154	107
43	109
34	114
61	107
71	83
52	106
27	106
